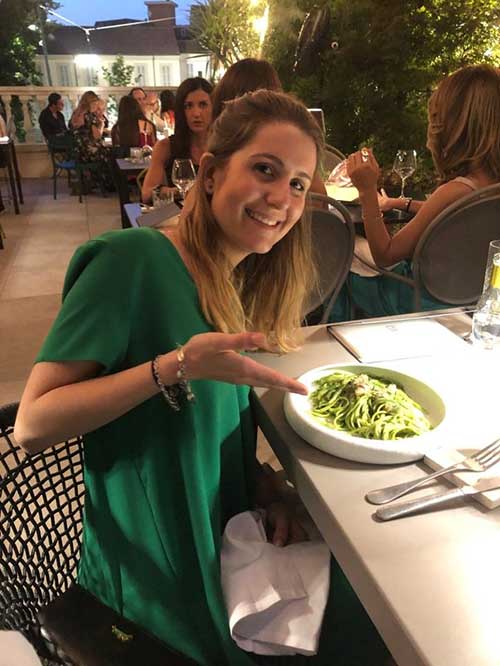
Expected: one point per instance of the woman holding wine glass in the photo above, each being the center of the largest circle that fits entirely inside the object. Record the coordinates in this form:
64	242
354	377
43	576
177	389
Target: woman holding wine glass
464	140
193	116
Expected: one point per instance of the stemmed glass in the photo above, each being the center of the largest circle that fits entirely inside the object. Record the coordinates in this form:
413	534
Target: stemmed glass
183	175
405	164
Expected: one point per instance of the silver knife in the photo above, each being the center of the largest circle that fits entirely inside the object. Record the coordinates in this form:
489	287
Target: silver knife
430	501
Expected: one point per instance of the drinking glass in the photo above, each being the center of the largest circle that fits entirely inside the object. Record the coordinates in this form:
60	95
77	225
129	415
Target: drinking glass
494	248
405	164
183	175
162	197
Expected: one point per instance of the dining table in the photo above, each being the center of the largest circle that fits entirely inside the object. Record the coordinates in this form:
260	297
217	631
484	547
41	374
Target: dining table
430	582
125	169
8	157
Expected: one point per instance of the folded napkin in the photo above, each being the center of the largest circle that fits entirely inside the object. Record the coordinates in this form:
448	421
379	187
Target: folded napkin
15	650
275	597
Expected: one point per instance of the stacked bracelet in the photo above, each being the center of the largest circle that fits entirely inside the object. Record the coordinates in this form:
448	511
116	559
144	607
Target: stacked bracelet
184	384
170	393
173	393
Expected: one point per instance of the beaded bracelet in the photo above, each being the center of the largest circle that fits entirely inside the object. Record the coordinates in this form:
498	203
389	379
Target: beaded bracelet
170	393
184	384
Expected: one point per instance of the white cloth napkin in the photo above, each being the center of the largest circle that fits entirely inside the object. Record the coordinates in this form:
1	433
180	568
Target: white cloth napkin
16	651
275	597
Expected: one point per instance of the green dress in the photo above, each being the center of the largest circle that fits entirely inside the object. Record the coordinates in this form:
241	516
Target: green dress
160	485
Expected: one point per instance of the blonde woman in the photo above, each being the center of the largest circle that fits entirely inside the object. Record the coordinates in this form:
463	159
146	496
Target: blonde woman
464	140
87	124
164	473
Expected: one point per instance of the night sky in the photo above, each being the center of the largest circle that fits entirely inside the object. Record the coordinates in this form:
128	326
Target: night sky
86	13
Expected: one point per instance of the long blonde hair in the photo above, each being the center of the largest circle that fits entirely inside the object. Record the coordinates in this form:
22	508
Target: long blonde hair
464	123
265	292
78	115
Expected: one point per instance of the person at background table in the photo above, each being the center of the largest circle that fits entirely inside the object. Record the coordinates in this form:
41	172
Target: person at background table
88	129
152	111
132	128
139	94
193	116
245	76
464	140
167	100
161	484
51	119
101	114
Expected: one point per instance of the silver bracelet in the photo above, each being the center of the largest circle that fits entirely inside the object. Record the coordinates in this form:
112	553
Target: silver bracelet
170	393
184	384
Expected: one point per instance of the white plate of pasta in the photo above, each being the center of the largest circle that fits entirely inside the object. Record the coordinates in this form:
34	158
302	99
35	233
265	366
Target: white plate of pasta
367	414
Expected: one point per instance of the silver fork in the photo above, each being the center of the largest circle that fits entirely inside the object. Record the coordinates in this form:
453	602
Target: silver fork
479	462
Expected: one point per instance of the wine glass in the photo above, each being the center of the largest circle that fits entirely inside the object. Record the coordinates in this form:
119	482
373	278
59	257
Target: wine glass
183	175
405	164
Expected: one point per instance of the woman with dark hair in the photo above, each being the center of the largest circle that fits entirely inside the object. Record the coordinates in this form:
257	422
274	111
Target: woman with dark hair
132	127
244	76
193	116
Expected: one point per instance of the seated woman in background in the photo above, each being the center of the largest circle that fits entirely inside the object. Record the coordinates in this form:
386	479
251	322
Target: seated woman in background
132	129
193	116
88	127
167	101
152	111
245	76
163	473
464	140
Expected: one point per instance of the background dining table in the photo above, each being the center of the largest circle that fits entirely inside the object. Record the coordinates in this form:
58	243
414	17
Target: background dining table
430	582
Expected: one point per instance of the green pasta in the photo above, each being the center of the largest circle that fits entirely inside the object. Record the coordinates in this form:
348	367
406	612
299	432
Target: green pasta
367	407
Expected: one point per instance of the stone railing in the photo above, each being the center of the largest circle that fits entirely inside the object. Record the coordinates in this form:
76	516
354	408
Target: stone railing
23	104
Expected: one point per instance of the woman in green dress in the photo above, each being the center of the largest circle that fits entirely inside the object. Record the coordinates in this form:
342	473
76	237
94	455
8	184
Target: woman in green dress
163	473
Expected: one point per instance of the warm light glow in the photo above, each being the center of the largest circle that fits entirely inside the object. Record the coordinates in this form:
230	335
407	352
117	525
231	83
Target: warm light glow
33	27
260	23
87	60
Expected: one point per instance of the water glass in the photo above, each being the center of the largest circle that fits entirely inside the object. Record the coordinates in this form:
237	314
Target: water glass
162	197
183	175
136	154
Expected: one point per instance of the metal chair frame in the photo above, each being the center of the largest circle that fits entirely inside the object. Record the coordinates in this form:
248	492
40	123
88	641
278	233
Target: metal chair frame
327	211
476	242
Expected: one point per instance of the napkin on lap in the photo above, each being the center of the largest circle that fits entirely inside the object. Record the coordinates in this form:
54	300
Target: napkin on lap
275	596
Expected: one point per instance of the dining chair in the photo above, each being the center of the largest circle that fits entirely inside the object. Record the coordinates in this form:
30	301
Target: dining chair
64	157
450	257
333	247
41	510
331	157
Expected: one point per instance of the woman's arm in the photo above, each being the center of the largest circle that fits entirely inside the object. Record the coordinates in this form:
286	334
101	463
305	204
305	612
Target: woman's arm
387	250
408	204
156	171
65	399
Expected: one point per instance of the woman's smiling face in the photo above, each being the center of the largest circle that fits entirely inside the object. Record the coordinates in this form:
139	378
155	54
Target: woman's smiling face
260	193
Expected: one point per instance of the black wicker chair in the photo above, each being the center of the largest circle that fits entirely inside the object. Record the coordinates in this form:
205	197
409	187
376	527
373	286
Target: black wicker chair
41	511
41	507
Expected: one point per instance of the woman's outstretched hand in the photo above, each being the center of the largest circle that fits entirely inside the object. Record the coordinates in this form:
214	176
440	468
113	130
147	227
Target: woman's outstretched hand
363	170
217	356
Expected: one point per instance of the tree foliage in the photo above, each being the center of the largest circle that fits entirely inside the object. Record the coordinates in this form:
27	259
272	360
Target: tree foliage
18	44
119	74
381	62
226	29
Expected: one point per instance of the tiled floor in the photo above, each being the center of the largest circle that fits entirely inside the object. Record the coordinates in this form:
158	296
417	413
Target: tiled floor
38	246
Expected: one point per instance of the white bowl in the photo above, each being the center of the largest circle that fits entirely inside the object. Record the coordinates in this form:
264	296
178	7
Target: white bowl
377	451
